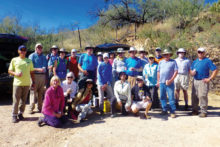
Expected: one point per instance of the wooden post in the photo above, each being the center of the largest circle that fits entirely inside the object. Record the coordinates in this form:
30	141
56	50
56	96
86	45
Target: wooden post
79	39
135	31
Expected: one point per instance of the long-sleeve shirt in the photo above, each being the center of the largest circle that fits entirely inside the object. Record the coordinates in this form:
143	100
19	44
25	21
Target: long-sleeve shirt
54	101
104	73
151	72
122	90
73	86
118	65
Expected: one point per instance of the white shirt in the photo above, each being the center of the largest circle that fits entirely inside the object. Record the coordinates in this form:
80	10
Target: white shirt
73	86
122	90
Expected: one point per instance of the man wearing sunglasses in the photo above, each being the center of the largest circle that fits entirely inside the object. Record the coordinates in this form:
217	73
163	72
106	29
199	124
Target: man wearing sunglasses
40	64
23	71
200	70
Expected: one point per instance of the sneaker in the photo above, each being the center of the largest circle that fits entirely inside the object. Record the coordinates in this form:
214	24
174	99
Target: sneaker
113	115
79	120
101	113
20	116
147	116
186	107
164	113
202	115
40	121
194	112
173	115
15	119
177	105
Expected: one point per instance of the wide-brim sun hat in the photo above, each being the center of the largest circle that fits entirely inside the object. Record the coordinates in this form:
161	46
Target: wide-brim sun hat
181	50
38	44
88	46
158	49
62	50
89	81
140	78
73	50
105	55
99	54
132	49
151	56
54	47
167	51
142	50
120	50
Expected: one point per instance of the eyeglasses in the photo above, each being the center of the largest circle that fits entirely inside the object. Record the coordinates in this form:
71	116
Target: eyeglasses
89	83
69	77
199	52
151	58
139	80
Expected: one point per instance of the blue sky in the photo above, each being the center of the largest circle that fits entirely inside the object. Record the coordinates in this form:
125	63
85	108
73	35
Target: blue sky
53	13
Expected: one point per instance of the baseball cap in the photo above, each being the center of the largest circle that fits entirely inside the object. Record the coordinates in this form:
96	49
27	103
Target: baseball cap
201	49
73	50
21	46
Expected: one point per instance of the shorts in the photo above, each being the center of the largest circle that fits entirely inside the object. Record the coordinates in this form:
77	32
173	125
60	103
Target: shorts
181	81
139	105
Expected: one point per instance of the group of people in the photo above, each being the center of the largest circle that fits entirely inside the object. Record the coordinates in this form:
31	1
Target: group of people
130	82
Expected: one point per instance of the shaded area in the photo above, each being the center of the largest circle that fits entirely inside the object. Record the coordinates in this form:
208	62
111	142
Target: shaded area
110	47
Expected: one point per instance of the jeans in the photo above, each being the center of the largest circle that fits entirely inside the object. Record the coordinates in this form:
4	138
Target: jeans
164	91
154	96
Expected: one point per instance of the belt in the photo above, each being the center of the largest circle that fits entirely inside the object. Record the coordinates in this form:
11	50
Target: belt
40	73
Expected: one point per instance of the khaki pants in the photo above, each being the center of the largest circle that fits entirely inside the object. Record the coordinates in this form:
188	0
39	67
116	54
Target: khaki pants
200	94
38	92
132	81
19	93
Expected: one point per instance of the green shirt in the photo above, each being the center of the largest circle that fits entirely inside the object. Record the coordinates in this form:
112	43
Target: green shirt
21	65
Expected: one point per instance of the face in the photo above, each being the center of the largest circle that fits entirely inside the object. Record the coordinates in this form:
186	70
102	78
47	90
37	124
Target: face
121	55
39	49
123	77
112	56
106	59
100	58
132	53
142	54
54	51
69	79
55	83
181	55
151	59
22	52
89	51
167	56
89	85
73	54
62	54
140	82
158	53
201	54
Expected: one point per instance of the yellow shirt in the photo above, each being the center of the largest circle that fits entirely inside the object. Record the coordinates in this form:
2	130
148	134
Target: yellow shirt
22	65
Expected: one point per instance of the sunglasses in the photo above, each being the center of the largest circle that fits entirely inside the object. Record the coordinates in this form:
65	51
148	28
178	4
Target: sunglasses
138	80
23	49
89	83
199	52
69	77
151	58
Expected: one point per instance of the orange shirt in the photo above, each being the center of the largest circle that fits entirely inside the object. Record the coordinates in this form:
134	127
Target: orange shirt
158	59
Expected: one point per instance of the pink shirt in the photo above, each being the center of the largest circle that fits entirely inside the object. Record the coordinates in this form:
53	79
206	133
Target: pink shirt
110	61
54	101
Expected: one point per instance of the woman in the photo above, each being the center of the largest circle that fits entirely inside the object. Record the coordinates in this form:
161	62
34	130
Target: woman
81	103
122	92
53	105
60	65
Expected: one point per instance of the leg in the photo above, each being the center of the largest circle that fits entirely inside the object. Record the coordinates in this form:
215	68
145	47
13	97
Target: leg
17	92
194	97
163	97
52	121
32	100
40	92
147	108
84	110
112	100
185	97
170	92
203	96
155	97
25	90
101	98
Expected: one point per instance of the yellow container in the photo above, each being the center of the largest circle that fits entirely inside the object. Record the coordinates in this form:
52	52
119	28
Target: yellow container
106	106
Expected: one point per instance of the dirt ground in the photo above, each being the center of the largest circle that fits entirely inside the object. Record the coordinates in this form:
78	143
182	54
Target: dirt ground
129	131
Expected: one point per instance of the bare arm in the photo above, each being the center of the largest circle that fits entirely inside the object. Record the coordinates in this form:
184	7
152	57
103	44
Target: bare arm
55	68
158	79
214	73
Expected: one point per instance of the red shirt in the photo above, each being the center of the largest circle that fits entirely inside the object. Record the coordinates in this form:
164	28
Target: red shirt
73	65
86	100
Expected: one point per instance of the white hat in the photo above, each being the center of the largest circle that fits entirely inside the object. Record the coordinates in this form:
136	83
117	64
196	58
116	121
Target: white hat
38	44
89	80
158	49
73	50
201	49
70	74
120	50
181	50
99	54
105	55
132	49
140	77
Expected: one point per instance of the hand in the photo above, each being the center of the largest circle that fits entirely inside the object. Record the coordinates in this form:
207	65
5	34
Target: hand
32	86
69	100
18	74
43	70
158	84
129	108
69	90
85	72
132	69
206	80
119	103
104	87
58	115
50	67
168	82
193	72
146	77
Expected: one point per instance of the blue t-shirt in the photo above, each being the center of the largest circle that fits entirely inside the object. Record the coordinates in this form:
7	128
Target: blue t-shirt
87	62
104	73
166	69
132	62
52	59
202	68
39	61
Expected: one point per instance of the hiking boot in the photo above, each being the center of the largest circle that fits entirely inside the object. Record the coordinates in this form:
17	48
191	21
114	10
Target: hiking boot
164	113
20	116
186	107
40	121
15	119
177	104
202	115
113	115
173	115
194	112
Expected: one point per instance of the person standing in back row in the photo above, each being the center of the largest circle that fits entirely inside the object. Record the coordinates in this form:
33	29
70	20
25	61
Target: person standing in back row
40	64
72	64
23	71
158	57
200	86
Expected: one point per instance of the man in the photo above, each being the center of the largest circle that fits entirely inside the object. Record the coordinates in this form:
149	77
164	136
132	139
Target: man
40	65
158	55
182	79
150	75
133	66
166	73
104	84
51	58
72	65
100	57
141	97
22	69
200	86
87	65
143	58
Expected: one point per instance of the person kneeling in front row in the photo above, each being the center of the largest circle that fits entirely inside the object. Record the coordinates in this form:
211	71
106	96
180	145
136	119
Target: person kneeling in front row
140	96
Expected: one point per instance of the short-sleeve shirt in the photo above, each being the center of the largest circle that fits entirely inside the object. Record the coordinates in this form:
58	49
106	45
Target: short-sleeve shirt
132	62
202	68
88	62
139	92
166	69
39	61
21	65
183	65
52	60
